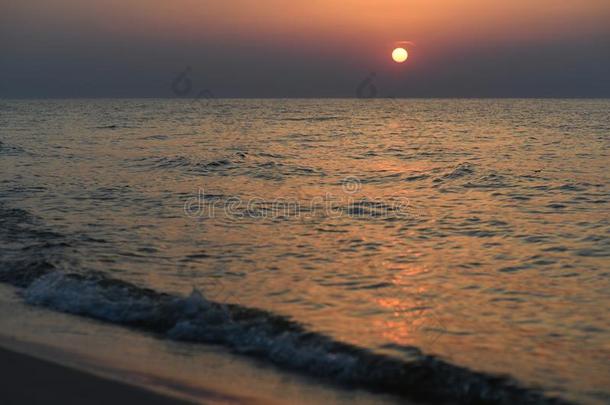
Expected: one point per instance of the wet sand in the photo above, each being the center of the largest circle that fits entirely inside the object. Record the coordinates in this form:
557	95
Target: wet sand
28	380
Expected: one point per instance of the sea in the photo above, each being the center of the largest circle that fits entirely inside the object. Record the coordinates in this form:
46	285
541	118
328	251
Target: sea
315	250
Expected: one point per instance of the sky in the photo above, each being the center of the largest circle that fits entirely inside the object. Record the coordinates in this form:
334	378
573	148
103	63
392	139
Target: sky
304	48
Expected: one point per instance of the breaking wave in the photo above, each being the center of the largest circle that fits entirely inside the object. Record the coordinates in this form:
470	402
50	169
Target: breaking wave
48	281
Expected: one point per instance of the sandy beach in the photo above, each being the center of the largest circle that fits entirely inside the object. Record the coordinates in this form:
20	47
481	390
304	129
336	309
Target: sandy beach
28	380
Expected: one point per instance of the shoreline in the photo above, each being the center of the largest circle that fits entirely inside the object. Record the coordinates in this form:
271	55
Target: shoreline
58	370
32	380
106	356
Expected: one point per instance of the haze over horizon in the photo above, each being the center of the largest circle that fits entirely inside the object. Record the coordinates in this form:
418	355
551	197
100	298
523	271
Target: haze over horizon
243	48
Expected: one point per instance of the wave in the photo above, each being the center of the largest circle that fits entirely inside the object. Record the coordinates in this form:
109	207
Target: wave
47	282
272	337
189	165
314	119
114	126
235	164
461	170
8	150
468	175
159	137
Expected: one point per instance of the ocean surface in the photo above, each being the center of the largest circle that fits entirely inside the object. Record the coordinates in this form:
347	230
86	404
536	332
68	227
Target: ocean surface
436	250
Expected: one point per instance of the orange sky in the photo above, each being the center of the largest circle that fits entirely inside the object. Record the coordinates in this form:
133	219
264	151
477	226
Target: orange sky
450	21
357	34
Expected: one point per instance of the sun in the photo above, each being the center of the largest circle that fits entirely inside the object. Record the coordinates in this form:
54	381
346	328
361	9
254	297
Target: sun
400	55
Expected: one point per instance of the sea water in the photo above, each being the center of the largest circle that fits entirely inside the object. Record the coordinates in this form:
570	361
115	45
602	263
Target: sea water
414	247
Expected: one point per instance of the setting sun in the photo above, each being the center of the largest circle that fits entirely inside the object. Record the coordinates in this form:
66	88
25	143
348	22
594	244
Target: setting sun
400	55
